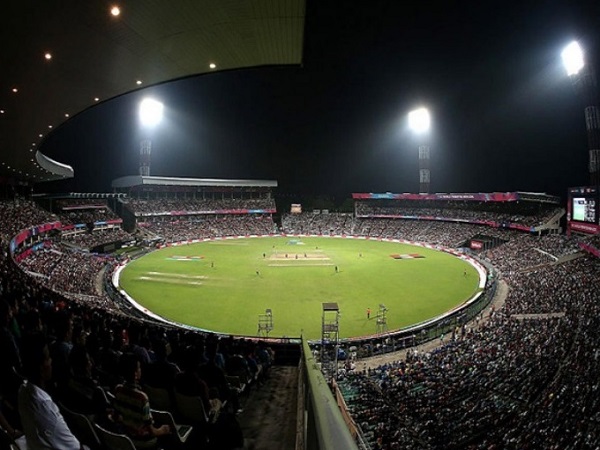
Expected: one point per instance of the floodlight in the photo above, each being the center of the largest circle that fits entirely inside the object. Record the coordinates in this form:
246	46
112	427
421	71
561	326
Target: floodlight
572	57
419	120
150	112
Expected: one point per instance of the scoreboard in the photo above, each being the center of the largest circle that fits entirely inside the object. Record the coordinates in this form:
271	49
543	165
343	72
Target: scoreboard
583	209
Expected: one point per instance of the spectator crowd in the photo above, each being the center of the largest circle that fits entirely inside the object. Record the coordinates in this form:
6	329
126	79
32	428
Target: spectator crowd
66	353
210	226
523	213
80	211
526	378
192	205
96	237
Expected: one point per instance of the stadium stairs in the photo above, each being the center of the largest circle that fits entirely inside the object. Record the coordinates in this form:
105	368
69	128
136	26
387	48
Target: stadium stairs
560	260
553	223
570	257
70	245
145	234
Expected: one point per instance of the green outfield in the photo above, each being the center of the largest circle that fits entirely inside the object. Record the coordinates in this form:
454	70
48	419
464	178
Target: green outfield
224	285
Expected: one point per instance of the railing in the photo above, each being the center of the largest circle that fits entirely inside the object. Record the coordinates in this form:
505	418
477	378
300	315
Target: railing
321	424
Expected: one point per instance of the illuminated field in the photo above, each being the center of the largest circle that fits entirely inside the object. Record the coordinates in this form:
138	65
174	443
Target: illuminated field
224	285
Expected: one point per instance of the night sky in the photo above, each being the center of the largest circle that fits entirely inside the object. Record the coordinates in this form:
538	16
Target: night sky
505	117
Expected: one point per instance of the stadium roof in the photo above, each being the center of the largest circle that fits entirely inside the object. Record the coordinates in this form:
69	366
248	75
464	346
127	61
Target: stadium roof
59	58
137	180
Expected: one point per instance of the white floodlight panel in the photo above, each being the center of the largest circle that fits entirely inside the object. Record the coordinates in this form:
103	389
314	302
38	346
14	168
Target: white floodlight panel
419	120
150	112
572	57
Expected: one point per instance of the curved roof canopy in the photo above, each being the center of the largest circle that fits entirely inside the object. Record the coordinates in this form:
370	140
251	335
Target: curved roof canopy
59	58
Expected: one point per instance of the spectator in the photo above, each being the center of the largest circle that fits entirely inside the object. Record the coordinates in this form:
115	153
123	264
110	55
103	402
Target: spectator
11	359
83	394
133	407
43	424
61	348
162	372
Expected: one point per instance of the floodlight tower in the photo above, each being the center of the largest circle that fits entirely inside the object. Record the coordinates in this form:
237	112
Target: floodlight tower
419	121
150	115
584	80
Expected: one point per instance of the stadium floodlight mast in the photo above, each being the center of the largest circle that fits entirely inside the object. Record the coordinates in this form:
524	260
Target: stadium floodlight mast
419	121
150	114
572	56
584	80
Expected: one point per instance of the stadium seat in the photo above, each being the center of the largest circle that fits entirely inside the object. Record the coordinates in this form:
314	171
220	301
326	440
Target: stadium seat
191	408
8	443
160	398
81	427
180	431
116	441
235	383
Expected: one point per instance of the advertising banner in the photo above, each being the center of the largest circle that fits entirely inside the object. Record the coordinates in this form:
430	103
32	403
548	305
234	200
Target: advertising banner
476	245
591	249
584	227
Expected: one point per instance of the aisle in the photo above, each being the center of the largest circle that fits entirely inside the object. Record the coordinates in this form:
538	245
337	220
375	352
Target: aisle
269	417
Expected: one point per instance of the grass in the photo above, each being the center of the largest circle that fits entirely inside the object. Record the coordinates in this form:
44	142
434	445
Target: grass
224	285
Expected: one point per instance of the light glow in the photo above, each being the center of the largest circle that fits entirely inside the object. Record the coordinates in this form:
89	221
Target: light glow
572	57
48	56
419	120
115	11
150	112
212	65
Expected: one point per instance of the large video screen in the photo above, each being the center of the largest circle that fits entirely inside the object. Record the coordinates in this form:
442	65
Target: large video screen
584	209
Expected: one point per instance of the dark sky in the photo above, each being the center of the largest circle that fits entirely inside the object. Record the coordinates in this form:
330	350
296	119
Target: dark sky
504	115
